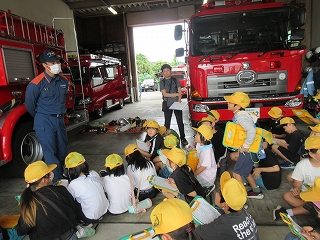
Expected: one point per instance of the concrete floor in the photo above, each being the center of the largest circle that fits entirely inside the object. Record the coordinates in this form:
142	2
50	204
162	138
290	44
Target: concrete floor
96	147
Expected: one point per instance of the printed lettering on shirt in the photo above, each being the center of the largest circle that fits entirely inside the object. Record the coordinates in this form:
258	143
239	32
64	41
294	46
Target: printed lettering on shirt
245	229
63	85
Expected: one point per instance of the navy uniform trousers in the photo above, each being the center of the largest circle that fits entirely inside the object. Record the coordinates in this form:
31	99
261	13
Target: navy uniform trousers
52	135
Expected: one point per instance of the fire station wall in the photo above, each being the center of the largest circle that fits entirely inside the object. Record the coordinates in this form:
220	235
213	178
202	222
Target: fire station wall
44	14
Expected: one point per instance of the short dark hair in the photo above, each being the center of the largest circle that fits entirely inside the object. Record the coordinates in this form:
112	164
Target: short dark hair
165	66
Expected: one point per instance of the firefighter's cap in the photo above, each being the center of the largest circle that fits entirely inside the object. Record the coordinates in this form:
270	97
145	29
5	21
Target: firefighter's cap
37	170
74	159
48	56
239	98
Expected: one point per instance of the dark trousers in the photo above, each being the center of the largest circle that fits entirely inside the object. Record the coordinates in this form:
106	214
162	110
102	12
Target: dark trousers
167	121
52	135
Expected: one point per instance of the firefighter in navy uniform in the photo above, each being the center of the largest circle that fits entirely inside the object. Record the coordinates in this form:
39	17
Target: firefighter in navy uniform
45	101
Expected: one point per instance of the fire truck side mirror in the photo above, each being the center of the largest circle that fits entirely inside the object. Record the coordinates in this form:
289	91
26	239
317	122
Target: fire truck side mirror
297	35
298	17
178	32
179	52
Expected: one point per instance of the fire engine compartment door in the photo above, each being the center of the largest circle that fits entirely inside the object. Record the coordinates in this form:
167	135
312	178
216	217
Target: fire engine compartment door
19	65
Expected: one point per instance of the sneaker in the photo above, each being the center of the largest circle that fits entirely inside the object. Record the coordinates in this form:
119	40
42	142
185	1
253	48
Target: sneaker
209	190
287	165
184	141
277	211
103	173
252	194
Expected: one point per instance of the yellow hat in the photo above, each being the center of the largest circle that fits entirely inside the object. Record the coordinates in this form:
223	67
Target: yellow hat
286	120
317	96
153	124
169	215
162	130
275	112
205	131
177	156
214	114
130	149
206	119
145	123
315	128
74	159
312	195
37	170
239	98
233	191
312	142
113	160
170	141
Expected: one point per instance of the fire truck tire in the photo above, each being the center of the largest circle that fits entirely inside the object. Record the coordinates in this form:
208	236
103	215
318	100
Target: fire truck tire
25	149
98	113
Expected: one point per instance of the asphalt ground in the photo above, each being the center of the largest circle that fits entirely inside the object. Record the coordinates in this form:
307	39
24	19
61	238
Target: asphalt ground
97	146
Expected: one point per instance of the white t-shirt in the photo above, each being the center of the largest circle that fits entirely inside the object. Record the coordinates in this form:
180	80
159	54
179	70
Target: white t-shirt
89	192
306	173
119	194
136	173
207	159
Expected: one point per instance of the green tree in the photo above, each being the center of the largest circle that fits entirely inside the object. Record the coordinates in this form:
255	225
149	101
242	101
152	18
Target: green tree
143	64
175	61
156	68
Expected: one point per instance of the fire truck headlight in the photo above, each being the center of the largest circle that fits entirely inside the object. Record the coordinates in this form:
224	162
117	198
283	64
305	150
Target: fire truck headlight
296	102
200	108
86	101
282	76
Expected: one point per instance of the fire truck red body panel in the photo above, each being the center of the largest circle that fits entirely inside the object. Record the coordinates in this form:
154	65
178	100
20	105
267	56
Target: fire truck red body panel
21	41
103	78
180	73
243	48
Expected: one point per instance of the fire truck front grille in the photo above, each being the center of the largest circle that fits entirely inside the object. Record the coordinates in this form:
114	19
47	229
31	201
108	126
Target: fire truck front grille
258	83
267	83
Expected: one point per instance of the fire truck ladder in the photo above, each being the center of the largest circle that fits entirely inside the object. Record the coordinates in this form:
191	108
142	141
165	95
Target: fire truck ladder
19	28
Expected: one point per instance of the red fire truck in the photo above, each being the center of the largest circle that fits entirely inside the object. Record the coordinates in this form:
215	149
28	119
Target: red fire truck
21	42
103	83
250	46
180	73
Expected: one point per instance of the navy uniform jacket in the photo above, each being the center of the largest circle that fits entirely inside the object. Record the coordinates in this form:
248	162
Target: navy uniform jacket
47	95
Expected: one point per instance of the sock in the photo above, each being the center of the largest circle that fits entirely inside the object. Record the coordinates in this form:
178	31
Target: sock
256	189
290	212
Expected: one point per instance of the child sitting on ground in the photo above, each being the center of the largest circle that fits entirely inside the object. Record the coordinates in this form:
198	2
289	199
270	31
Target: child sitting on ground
116	184
275	114
86	188
153	139
165	132
207	168
182	177
139	169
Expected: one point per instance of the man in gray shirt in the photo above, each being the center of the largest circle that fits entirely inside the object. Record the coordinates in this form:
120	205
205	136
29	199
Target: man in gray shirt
171	92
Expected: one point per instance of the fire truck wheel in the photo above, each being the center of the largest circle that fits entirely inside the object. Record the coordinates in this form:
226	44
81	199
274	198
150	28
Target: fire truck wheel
98	113
25	149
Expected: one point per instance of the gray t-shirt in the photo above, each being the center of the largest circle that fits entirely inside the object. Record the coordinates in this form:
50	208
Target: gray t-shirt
234	226
171	86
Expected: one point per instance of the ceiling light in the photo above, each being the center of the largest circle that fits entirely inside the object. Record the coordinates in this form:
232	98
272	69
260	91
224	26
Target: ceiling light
112	10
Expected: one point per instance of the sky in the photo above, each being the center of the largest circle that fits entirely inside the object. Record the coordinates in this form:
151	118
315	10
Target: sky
157	42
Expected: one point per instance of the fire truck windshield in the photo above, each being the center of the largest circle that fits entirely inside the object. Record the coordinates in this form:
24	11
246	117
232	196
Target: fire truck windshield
239	32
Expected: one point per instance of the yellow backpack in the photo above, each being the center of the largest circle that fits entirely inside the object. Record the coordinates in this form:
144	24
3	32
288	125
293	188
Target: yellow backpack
235	135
